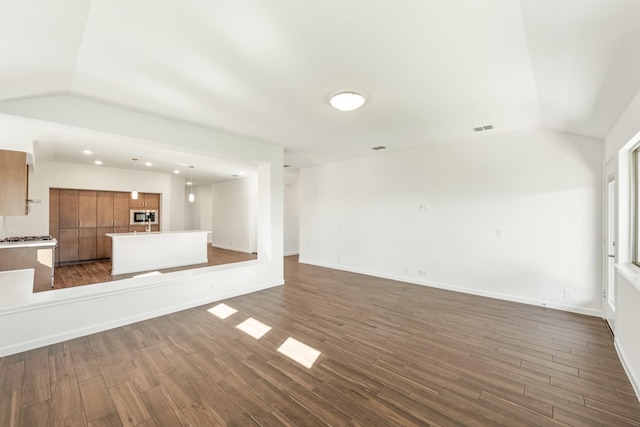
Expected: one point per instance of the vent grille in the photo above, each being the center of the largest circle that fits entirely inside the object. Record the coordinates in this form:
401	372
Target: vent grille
379	147
483	128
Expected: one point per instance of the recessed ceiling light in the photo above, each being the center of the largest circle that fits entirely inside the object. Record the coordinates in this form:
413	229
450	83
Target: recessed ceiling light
87	151
176	171
98	162
347	101
188	182
148	164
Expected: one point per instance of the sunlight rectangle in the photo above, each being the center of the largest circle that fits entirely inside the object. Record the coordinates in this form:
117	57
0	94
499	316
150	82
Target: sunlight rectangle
222	311
254	328
299	352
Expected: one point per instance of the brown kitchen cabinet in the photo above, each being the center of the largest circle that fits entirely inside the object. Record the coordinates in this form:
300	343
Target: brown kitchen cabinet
87	209
68	208
146	201
68	245
104	209
79	220
14	176
86	244
121	217
152	201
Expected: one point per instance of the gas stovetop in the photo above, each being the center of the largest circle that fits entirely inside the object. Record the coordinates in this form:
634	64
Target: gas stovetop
25	239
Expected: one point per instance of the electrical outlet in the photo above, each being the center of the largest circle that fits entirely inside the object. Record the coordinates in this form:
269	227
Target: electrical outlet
405	269
567	294
499	232
339	260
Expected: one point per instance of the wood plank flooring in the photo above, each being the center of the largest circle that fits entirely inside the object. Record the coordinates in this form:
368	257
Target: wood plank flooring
81	274
392	354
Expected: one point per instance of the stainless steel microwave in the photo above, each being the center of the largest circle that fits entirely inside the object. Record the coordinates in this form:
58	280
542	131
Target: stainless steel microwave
143	216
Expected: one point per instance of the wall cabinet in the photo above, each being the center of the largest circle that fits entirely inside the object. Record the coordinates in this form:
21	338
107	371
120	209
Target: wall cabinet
121	209
69	209
104	209
79	220
146	201
14	176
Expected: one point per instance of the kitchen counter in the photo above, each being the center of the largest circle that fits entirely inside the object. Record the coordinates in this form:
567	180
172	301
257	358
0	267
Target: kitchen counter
31	244
135	252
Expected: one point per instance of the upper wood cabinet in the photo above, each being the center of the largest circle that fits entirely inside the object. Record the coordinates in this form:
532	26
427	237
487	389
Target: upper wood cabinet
105	209
14	176
121	209
146	201
87	209
152	201
69	209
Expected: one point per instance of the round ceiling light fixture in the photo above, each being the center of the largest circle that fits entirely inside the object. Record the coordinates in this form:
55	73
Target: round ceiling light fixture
347	101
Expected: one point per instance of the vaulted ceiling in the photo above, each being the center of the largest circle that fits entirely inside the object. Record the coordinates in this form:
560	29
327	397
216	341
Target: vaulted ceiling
431	70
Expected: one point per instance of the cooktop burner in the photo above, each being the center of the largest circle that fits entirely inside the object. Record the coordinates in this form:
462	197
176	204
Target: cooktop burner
25	239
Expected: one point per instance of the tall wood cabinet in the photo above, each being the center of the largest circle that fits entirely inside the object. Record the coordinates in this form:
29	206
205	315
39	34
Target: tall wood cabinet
79	220
14	176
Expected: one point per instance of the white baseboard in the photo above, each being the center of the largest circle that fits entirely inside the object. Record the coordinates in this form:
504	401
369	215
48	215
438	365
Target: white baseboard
291	253
231	248
633	378
489	294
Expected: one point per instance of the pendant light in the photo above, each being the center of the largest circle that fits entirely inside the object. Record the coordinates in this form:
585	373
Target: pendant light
134	192
192	197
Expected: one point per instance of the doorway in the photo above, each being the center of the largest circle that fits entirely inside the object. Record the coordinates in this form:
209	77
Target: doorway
610	228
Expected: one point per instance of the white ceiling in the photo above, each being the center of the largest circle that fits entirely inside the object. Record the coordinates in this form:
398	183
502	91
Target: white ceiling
431	70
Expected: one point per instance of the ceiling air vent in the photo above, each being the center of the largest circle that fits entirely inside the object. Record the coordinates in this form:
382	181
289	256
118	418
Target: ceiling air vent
481	128
286	166
379	147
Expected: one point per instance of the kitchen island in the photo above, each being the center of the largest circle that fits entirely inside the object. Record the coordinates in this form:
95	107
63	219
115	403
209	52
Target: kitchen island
135	252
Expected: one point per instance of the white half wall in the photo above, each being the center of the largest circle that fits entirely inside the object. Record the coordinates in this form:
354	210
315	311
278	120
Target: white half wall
516	217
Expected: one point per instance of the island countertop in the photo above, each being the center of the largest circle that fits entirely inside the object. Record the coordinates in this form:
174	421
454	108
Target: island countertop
136	252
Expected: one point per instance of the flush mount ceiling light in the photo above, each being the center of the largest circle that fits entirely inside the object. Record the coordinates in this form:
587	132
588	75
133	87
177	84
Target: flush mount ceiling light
347	101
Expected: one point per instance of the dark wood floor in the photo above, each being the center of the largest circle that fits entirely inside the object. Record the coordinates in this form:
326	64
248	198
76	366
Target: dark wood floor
391	354
100	271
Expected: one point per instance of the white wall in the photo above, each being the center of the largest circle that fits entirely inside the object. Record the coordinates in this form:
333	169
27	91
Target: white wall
88	309
199	211
173	204
627	286
232	221
432	216
88	177
291	214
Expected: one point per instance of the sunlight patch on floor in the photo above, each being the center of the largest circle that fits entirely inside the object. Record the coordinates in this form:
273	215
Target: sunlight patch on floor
254	328
222	311
299	352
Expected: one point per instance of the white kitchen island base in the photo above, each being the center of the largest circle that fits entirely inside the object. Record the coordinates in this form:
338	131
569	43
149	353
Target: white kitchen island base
135	252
